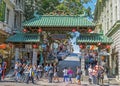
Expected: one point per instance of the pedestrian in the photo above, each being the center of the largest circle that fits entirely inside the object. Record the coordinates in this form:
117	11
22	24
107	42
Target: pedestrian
70	74
90	70
94	76
101	77
39	71
65	75
78	77
46	69
4	66
30	75
50	74
56	69
35	71
0	72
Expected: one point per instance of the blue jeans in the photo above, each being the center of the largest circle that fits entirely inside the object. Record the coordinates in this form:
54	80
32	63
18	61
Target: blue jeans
65	78
30	78
70	76
94	79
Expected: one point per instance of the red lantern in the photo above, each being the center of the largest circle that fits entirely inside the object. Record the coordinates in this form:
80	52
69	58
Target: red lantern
81	46
73	30
24	30
89	30
99	44
39	30
3	46
108	46
35	46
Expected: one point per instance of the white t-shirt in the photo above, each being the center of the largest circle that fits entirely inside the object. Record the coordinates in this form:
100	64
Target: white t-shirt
16	66
65	71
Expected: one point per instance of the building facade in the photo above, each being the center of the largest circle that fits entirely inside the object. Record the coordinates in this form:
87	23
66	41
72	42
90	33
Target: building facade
107	18
11	17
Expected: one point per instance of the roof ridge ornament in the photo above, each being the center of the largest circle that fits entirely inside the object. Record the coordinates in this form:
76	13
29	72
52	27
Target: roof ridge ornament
36	15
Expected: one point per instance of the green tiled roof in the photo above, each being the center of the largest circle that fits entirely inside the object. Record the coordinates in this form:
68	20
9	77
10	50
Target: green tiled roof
92	38
22	37
59	21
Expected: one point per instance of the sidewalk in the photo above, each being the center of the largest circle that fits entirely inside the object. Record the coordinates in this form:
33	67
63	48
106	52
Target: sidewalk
44	82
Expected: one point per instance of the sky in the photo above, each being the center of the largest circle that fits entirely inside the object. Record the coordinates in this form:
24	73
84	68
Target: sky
76	34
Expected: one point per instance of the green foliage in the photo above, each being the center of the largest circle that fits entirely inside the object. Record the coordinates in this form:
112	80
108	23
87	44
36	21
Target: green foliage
54	7
2	10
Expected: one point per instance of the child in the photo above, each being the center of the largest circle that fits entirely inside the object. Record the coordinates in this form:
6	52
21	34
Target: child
70	73
55	73
65	75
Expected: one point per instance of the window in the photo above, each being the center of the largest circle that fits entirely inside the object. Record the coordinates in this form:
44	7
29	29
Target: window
116	13
15	21
8	11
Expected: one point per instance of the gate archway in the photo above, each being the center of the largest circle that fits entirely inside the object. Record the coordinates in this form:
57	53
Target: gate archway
32	35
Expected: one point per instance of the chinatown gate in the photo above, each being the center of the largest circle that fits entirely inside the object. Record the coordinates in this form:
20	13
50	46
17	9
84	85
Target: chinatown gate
38	35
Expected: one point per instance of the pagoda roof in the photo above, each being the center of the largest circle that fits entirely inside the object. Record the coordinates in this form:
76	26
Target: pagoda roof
93	38
24	38
59	21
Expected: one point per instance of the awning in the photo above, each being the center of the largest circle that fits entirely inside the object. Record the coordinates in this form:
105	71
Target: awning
93	38
24	38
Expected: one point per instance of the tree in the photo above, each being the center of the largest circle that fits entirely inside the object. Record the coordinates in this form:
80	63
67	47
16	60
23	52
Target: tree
53	7
42	6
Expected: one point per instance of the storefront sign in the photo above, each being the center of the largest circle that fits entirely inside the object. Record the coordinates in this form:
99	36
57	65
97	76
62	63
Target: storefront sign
59	36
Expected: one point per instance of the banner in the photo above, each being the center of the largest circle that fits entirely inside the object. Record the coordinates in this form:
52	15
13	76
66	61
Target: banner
2	10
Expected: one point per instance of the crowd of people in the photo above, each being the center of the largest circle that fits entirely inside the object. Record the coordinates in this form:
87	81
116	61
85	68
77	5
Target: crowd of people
25	73
96	74
3	66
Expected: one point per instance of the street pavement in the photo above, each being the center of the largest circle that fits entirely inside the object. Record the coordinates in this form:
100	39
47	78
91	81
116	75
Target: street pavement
70	61
44	82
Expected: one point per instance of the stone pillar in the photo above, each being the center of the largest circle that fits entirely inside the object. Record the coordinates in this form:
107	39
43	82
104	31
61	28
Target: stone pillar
83	63
16	54
34	59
